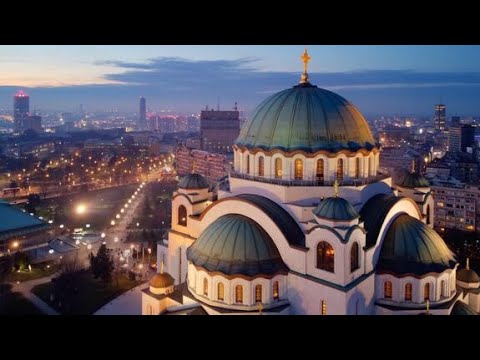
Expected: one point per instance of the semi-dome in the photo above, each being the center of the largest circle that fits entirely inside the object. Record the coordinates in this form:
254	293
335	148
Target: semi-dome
161	280
414	180
411	247
306	118
236	245
193	181
336	208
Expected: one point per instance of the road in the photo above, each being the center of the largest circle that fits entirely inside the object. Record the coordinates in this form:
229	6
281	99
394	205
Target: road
25	288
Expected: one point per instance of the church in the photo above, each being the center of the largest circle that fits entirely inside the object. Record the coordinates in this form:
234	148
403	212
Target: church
307	224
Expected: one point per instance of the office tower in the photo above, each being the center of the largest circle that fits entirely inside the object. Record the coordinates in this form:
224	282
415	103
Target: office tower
142	118
461	137
455	120
440	118
33	122
21	109
219	129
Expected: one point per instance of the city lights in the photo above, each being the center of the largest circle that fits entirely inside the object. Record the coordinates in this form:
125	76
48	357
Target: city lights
81	209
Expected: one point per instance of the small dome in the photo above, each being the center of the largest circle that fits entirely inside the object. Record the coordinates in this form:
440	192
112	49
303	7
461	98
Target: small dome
306	118
193	181
411	247
414	180
160	281
236	245
467	276
336	208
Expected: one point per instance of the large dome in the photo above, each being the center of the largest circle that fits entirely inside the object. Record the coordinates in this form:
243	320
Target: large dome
306	118
236	245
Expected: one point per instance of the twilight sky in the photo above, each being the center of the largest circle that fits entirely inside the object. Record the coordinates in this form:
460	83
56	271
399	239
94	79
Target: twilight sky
378	79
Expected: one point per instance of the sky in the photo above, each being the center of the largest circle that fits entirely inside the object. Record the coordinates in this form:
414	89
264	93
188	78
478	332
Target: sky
401	80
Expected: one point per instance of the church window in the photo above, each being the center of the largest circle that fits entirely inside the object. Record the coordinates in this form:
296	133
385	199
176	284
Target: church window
387	290
220	291
340	169
258	293
182	215
298	169
354	255
278	168
239	294
320	169
276	292
205	287
426	292
261	166
408	292
443	288
325	256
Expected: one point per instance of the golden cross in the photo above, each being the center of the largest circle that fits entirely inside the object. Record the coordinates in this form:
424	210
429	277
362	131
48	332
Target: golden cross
260	308
161	271
428	307
305	58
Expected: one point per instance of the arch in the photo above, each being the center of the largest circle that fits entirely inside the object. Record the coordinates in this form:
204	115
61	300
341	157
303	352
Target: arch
320	170
428	214
357	167
261	166
408	292
443	288
205	286
220	291
278	168
387	289
354	257
426	292
325	256
276	291
258	293
298	169
239	294
340	169
182	215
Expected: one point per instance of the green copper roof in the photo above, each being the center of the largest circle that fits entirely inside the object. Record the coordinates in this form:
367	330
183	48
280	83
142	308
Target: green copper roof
193	181
236	245
467	276
335	208
410	246
306	118
13	219
414	180
460	308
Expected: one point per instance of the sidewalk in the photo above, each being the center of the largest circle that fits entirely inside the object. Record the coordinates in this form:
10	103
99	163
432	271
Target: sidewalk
25	289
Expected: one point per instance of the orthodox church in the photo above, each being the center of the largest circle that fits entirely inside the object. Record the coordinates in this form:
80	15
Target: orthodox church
307	224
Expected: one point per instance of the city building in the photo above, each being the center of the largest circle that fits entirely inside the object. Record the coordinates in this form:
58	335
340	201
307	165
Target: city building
440	117
462	167
32	122
307	225
142	114
21	109
455	120
219	130
461	137
212	166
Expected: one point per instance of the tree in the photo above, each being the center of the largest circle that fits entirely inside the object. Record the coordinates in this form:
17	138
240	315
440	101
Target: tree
6	265
20	260
33	201
66	284
102	265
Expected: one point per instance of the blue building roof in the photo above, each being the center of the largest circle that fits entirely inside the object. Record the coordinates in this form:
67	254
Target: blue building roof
193	181
13	220
336	208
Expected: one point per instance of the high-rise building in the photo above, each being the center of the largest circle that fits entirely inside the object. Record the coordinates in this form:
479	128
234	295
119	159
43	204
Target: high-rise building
461	137
455	120
142	117
33	122
21	109
219	130
440	118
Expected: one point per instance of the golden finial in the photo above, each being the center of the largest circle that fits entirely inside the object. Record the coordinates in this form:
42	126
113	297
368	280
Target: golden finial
260	308
162	268
335	188
468	263
305	58
428	307
412	166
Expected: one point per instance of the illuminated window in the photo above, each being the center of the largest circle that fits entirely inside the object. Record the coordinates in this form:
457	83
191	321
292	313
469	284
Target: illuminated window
408	292
205	287
325	256
357	168
278	168
182	215
258	293
248	164
323	307
239	294
220	291
276	293
320	169
298	169
340	169
387	290
426	292
443	288
261	166
354	263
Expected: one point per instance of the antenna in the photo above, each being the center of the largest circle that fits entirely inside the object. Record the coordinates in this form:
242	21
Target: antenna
235	106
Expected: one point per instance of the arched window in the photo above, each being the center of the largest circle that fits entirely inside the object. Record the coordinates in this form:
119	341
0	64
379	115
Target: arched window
387	290
261	166
278	168
220	291
149	309
408	292
298	169
426	292
205	287
357	168
340	169
239	294
354	263
320	169
276	292
248	163
428	214
443	288
258	293
325	256
182	215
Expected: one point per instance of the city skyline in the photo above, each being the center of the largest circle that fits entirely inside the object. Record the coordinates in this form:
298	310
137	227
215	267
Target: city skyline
378	79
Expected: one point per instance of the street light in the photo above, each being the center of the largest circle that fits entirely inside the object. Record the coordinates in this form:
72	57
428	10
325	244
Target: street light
117	216
87	226
15	244
81	209
62	226
112	222
103	235
115	239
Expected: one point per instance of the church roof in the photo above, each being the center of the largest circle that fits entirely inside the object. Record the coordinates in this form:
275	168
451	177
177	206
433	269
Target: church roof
335	208
467	276
414	180
236	245
460	308
193	181
161	280
411	247
306	118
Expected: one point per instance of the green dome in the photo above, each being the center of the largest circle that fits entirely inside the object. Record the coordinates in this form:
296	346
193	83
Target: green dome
236	245
411	247
414	180
193	181
336	208
306	118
